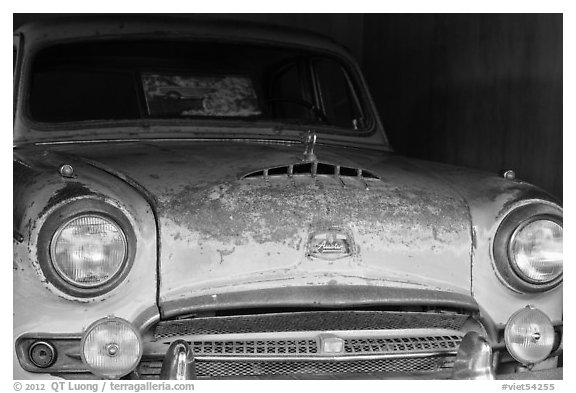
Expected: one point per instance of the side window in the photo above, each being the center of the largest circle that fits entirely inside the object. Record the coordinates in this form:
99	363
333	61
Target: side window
336	94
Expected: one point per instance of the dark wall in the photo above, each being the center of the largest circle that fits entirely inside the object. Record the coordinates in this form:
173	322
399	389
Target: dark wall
482	91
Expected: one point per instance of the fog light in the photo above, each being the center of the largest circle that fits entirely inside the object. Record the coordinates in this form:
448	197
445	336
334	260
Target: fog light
111	348
42	354
529	335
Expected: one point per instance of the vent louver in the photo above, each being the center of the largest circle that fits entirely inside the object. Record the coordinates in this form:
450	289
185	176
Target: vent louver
311	169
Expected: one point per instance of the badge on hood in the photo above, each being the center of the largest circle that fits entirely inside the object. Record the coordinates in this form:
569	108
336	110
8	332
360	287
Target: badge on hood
330	244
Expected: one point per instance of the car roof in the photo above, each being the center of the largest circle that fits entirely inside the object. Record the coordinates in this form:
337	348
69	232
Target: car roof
80	27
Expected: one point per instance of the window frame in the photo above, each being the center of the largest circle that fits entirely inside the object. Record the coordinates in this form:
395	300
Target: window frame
350	85
371	127
18	41
306	67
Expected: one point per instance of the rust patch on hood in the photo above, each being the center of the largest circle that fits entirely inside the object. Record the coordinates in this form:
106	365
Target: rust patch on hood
240	211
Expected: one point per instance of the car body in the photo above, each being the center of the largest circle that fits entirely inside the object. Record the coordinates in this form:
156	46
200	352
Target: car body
220	200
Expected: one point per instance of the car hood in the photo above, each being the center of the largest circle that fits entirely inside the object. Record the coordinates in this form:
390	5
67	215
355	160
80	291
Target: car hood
399	227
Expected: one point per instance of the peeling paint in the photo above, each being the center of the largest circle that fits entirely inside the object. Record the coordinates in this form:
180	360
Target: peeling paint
223	253
236	212
69	191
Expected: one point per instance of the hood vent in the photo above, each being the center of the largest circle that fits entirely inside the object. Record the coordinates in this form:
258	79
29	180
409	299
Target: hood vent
311	169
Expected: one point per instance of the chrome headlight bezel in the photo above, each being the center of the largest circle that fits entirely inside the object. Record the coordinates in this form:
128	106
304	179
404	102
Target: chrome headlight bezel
57	221
504	261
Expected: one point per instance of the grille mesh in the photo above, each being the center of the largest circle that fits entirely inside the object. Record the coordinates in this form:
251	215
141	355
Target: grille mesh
404	344
309	321
151	369
267	347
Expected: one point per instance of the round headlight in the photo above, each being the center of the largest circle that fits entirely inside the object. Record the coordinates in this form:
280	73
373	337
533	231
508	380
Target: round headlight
527	248
89	250
536	251
529	336
111	348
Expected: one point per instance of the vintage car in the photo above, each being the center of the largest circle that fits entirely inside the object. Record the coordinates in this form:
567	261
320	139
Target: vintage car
207	199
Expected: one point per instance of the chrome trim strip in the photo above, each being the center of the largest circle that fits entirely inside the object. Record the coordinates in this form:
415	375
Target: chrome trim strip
236	140
313	335
321	358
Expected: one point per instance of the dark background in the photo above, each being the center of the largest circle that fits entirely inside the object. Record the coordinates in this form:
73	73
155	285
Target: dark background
477	90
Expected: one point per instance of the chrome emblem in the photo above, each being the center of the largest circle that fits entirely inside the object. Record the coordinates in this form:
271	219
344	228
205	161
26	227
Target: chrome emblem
330	244
330	344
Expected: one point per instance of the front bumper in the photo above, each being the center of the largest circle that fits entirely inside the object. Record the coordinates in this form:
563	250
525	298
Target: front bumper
369	345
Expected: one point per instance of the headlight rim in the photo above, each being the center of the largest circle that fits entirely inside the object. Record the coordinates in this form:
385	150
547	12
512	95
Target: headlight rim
63	215
64	225
501	244
517	230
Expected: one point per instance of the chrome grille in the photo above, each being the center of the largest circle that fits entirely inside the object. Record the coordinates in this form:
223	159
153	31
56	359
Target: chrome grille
292	344
360	346
310	321
151	369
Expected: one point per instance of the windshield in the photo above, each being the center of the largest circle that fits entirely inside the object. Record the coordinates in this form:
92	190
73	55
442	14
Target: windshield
107	81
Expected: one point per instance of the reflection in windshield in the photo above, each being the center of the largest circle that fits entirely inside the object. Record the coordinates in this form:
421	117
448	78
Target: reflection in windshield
192	95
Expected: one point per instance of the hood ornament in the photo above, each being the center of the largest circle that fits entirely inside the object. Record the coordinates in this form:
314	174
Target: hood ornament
309	142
